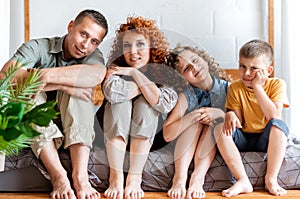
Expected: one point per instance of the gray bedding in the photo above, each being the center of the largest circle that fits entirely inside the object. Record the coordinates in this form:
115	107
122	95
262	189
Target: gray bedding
26	173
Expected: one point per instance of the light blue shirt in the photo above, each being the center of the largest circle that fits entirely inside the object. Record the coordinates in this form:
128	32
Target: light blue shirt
215	97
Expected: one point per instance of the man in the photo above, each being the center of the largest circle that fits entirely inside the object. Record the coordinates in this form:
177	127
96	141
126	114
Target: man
72	65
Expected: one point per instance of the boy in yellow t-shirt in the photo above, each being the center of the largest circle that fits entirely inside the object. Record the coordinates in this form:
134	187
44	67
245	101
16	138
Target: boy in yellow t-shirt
253	119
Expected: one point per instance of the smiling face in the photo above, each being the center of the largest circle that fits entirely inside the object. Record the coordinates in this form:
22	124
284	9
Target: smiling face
192	67
82	38
248	67
136	49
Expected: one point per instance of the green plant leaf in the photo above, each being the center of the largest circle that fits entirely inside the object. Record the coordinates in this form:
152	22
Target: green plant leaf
14	146
10	134
42	114
27	129
3	121
18	116
13	112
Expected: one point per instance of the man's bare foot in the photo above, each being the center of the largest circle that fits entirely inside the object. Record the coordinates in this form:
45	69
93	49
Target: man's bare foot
133	188
61	188
241	186
177	191
115	189
274	188
195	190
84	189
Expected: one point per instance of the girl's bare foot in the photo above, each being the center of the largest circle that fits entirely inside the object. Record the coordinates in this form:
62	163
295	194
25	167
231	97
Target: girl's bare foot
133	188
274	188
195	191
177	191
241	186
115	189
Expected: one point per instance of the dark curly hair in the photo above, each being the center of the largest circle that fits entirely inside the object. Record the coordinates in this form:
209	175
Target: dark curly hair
158	42
214	68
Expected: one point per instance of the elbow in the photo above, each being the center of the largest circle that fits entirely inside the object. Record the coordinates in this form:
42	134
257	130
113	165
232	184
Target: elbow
274	115
167	136
102	73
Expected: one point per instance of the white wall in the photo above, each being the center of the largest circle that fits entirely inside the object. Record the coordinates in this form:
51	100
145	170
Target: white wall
217	25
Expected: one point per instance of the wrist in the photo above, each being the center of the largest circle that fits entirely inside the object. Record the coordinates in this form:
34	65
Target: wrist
45	75
257	86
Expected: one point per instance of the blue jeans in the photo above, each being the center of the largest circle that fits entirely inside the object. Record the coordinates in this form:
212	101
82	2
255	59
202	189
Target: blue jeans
257	141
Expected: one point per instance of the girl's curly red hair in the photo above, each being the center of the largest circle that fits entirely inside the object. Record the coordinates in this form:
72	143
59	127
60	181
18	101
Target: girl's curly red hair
158	42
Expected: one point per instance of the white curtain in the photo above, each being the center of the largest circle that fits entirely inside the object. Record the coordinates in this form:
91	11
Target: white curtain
287	62
12	28
4	24
16	25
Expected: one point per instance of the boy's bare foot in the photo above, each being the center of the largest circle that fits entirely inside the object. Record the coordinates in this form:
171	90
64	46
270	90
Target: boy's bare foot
177	191
115	189
274	188
241	186
84	189
61	188
133	188
195	191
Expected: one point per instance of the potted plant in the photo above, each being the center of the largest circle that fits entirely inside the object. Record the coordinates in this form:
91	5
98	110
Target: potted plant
18	111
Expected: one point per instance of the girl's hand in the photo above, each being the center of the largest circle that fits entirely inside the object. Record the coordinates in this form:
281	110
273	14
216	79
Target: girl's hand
231	122
205	115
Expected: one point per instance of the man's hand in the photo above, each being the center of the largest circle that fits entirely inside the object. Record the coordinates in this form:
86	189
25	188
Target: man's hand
83	93
231	122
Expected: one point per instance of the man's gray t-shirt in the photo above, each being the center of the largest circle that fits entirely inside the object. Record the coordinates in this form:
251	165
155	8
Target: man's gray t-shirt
48	53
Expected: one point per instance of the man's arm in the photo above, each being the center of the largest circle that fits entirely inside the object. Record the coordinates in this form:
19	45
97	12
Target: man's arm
7	65
81	75
83	93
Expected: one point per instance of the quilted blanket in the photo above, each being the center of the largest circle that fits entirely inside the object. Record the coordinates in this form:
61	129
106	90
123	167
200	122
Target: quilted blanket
159	168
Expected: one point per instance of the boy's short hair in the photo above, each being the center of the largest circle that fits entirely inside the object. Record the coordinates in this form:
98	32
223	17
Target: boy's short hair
257	48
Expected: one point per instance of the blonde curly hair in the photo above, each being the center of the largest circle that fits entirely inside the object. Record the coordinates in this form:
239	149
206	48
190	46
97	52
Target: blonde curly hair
214	68
158	42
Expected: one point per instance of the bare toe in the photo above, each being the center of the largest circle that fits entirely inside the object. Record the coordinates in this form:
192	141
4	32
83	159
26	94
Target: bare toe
275	189
114	192
62	189
197	193
241	186
177	191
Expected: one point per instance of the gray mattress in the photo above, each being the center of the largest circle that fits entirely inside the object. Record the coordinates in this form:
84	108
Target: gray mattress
26	173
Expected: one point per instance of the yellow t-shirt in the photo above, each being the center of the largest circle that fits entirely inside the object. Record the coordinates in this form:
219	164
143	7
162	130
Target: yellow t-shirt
240	97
